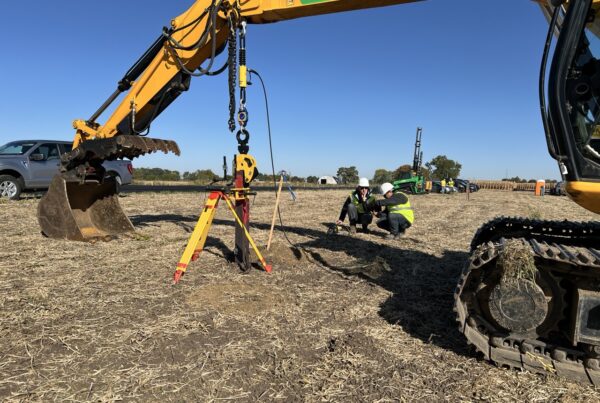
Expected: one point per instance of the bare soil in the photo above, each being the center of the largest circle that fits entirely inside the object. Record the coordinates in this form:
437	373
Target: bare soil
341	318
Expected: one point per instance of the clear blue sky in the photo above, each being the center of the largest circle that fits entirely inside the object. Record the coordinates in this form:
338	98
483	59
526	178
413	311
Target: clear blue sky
344	89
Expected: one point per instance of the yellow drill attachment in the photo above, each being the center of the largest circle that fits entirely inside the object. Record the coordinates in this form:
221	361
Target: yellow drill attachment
82	202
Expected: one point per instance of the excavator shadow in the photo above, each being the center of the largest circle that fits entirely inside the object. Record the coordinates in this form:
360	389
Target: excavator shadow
187	223
147	220
421	284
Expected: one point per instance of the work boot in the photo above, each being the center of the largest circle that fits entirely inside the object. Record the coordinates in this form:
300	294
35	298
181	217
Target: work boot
365	229
353	229
394	236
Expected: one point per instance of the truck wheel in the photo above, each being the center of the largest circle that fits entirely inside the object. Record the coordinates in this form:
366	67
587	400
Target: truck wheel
10	187
117	179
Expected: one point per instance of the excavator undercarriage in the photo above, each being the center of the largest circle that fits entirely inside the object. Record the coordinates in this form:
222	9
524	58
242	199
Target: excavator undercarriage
549	322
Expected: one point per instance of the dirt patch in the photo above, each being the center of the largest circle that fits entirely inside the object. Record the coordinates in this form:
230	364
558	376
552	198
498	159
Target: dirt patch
282	255
235	299
355	318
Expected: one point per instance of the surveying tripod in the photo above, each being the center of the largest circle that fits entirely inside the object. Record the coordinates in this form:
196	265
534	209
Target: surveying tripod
236	198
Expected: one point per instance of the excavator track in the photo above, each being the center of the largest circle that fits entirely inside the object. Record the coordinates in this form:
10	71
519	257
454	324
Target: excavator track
566	260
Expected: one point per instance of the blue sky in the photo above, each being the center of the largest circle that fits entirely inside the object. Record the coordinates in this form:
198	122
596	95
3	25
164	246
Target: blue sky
344	89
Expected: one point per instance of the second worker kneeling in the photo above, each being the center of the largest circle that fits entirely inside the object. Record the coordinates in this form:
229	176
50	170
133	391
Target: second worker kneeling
397	215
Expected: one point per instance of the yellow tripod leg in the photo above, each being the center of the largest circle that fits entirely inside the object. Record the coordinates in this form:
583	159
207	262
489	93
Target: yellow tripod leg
198	237
266	266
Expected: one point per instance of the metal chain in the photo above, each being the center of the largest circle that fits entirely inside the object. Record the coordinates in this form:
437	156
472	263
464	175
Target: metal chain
242	135
232	62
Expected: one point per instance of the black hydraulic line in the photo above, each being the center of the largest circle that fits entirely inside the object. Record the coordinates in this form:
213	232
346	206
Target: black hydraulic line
141	64
144	61
550	139
210	27
218	71
152	117
251	71
132	74
105	105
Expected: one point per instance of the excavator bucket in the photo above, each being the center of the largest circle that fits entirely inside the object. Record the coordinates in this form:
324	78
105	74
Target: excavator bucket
82	212
88	210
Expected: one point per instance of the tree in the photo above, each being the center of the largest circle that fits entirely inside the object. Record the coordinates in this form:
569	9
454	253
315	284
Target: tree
382	176
441	167
348	175
200	176
516	179
156	174
426	173
312	179
402	172
265	178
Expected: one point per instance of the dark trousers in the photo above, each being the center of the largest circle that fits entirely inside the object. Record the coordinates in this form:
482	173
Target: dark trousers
395	223
355	217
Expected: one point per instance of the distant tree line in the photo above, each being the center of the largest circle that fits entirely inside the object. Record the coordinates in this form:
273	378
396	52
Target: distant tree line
156	174
205	176
516	179
440	167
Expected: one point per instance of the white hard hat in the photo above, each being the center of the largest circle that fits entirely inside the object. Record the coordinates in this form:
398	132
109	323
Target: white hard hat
363	182
386	187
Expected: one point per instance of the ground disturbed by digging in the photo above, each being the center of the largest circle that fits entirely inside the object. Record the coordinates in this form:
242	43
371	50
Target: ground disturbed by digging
343	319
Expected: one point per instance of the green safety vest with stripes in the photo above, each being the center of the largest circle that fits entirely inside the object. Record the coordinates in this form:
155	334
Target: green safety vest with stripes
404	209
360	206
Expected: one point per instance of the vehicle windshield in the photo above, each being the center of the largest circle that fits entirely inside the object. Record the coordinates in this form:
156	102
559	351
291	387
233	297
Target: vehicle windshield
583	88
16	147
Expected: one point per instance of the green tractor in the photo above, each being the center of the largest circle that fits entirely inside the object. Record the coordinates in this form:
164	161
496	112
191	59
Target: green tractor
413	182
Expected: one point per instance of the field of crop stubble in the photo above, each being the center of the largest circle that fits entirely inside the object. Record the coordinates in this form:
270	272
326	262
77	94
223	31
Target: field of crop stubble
353	319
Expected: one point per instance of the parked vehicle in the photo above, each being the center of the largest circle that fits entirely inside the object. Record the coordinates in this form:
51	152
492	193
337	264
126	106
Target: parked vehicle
461	185
559	189
31	165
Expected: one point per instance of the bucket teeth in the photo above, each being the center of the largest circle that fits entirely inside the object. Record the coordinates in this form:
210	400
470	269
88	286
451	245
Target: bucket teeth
119	147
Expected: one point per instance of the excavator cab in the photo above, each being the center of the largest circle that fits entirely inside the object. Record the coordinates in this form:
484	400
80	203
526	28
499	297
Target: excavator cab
573	115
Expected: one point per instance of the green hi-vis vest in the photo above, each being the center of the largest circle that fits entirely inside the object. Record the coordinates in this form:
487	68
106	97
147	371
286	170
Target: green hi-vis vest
359	206
404	209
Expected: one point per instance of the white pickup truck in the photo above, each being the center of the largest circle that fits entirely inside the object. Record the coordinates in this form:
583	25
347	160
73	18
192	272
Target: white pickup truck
31	165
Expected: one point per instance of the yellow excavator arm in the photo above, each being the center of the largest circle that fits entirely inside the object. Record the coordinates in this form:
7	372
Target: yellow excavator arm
81	202
194	37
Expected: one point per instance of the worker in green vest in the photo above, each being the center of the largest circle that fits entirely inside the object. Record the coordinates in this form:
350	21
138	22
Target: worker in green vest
358	206
398	215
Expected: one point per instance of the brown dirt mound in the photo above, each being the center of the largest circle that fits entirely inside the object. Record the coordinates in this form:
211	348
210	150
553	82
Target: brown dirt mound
283	255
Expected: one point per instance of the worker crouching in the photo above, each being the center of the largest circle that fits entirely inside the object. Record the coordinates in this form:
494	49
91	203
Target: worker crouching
397	215
358	207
